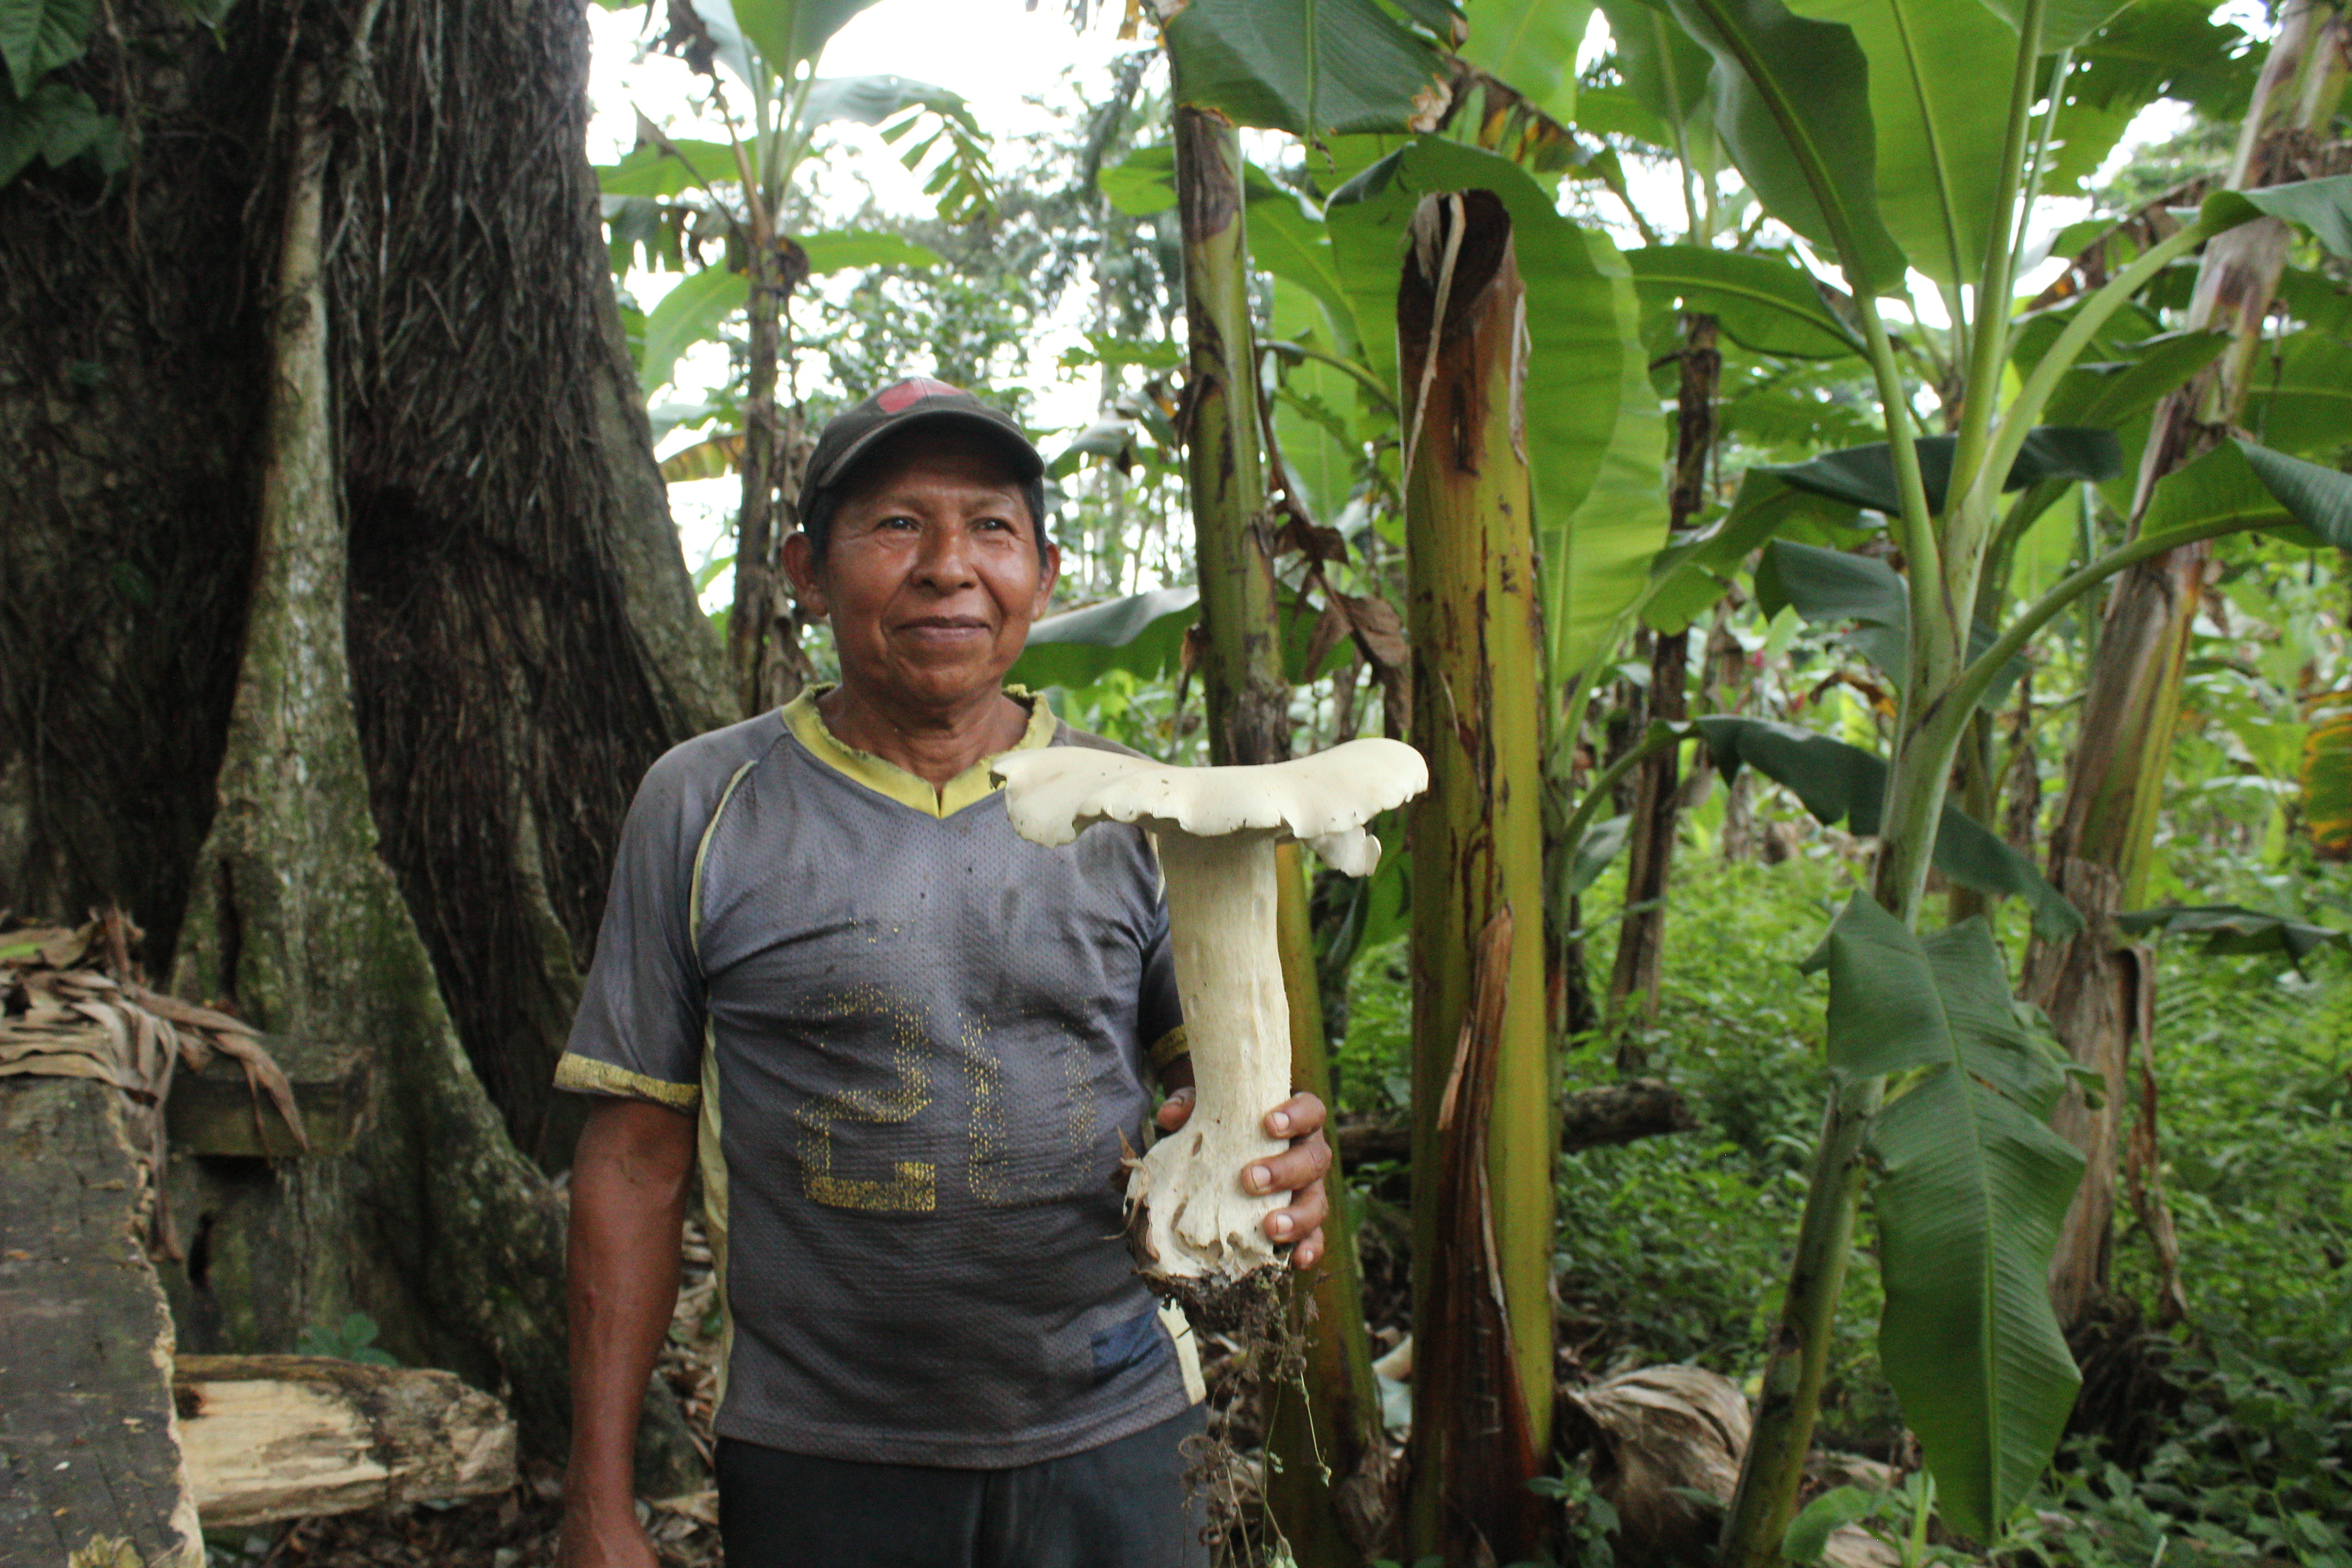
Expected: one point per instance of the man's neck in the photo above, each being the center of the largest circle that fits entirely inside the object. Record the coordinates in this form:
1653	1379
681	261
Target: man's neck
933	745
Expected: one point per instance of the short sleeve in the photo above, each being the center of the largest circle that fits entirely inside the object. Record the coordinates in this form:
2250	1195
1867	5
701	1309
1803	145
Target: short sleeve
1160	1017
638	1033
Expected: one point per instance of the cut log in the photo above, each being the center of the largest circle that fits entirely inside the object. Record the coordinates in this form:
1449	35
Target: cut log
213	1109
89	1462
1589	1119
283	1436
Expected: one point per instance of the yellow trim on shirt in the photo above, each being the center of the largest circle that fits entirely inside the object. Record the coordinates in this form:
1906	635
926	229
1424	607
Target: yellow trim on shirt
710	1155
888	778
593	1077
1173	1046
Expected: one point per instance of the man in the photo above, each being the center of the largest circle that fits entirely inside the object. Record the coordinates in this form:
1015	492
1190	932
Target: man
909	1049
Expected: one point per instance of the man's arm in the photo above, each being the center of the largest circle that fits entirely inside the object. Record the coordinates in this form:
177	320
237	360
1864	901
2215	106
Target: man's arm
629	1178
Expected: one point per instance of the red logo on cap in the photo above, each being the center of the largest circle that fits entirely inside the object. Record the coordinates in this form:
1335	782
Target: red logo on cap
914	389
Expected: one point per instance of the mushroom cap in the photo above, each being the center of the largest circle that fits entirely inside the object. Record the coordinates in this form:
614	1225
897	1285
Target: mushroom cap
1325	799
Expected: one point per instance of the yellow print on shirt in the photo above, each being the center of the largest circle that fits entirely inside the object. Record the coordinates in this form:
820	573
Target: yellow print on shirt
913	1187
995	1180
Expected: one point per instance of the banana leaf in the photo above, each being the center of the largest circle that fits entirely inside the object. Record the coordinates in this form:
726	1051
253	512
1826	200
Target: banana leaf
1972	1186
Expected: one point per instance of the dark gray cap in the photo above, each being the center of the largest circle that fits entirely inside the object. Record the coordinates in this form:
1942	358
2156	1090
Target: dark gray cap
919	399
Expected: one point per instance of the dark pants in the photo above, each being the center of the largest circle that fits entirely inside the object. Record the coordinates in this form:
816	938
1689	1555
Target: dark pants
1122	1505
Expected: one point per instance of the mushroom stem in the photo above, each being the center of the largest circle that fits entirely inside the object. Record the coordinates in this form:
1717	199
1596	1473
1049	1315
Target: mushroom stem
1189	1213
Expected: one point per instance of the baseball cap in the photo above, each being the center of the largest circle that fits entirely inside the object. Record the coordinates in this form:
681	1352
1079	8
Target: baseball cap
917	399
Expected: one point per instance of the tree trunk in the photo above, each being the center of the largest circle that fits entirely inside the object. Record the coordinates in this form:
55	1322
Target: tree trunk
415	598
2114	781
1337	1426
1657	788
1241	674
1482	1069
762	637
300	927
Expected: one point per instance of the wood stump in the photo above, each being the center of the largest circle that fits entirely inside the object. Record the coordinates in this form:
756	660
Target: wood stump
89	1454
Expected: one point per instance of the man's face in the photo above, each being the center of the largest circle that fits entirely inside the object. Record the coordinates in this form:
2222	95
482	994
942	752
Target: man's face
933	572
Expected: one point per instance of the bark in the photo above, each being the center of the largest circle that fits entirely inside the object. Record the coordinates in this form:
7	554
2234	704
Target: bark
1657	786
1482	1069
398	619
2115	781
299	925
128	531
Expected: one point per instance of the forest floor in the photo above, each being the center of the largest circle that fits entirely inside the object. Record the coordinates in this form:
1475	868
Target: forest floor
517	1527
1670	1248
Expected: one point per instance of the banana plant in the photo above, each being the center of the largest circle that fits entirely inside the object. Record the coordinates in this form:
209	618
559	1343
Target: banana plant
1351	77
2101	842
760	58
1864	126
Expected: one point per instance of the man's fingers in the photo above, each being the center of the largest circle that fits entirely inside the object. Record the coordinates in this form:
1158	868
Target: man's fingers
1295	1117
1302	1218
1308	1253
1176	1110
1301	1164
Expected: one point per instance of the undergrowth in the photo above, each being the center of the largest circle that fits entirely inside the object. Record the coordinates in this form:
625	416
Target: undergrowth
1674	1248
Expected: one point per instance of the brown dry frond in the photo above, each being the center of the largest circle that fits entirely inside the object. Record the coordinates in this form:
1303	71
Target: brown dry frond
73	1006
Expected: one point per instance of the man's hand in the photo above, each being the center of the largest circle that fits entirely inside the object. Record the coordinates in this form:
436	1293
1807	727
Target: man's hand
595	1541
1299	1170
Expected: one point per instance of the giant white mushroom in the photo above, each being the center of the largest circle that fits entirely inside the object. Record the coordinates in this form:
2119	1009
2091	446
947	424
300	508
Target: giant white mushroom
1197	1233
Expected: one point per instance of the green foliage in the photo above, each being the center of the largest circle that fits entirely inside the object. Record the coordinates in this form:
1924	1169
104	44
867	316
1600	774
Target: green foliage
2240	484
667	168
841	249
788	34
1838	586
1841	782
1591	1518
1663	68
1971	1187
1938	120
2154	48
41	117
2233	928
1531	45
1864	476
2326	775
2301	401
1141	635
1792	105
687	315
1769	304
37	36
2323	208
56	124
1688	576
1318	68
353	1338
2257	1128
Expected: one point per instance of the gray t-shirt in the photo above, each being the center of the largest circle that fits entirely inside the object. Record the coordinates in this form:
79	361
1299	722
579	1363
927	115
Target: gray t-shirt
918	1045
